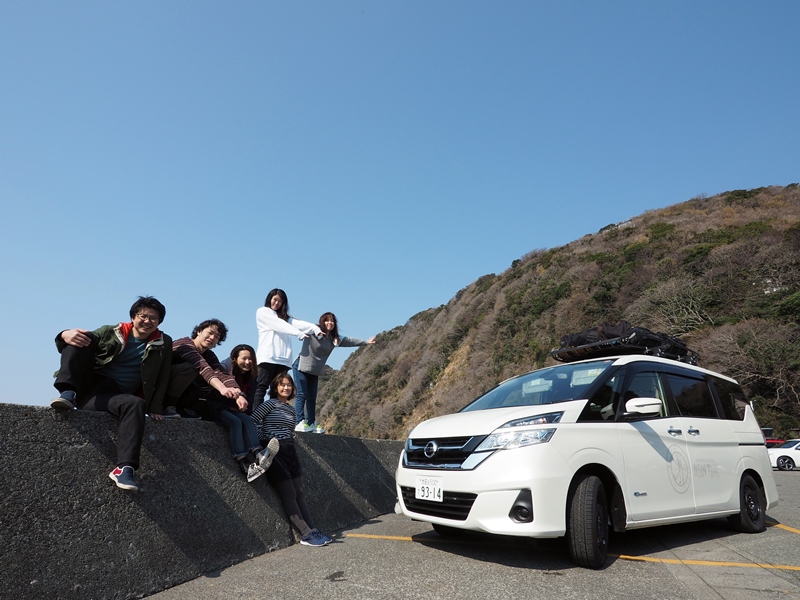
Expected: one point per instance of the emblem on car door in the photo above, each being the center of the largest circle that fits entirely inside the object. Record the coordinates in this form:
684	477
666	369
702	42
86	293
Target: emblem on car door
680	474
431	448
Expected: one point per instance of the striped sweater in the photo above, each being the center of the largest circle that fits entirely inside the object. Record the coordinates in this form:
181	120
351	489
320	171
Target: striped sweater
206	364
274	419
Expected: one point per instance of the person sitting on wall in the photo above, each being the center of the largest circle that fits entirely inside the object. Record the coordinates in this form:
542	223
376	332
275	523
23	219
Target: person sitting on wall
122	370
242	365
198	370
274	419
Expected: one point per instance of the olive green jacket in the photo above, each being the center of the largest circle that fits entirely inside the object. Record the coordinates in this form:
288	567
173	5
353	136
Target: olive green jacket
156	361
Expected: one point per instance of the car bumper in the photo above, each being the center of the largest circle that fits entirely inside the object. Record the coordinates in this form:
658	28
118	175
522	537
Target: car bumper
497	483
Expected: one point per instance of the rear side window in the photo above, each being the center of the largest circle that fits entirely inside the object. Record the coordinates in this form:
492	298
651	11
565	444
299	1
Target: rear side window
731	398
692	396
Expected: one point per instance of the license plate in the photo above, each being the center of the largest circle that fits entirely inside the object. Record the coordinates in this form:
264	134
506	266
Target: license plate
428	488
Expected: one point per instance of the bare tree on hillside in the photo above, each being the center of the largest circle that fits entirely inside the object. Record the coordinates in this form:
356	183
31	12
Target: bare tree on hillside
761	355
676	306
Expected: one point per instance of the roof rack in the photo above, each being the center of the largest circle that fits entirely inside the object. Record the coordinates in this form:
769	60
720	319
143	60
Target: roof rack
640	341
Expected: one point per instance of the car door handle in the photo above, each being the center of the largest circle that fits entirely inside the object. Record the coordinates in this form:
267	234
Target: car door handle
674	432
693	431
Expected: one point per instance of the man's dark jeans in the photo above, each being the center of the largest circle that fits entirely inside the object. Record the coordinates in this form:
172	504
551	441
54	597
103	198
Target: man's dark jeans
101	393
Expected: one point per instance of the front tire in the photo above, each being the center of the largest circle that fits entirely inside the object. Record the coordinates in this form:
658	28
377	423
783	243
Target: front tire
587	527
752	517
785	463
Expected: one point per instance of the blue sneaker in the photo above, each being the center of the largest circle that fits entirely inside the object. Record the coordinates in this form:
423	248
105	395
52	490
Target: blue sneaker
315	538
324	537
65	401
123	477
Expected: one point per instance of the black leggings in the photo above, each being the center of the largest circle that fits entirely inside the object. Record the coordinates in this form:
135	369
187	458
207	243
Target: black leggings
291	493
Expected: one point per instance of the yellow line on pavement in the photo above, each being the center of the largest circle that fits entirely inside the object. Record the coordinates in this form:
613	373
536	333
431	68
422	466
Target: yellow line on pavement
666	561
705	563
784	527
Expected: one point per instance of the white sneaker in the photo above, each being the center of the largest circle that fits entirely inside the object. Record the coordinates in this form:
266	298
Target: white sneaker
254	471
301	426
265	457
314	428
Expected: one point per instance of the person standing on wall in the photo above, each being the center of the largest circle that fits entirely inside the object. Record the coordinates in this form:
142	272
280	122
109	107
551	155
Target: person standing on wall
310	364
122	370
276	328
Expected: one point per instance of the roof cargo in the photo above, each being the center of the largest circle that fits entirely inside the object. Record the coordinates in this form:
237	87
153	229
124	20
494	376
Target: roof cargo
612	339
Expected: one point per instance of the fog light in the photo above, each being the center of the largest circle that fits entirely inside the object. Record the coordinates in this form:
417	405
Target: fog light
522	509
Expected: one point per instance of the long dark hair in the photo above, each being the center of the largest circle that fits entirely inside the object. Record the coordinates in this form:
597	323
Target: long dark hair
283	312
250	375
333	333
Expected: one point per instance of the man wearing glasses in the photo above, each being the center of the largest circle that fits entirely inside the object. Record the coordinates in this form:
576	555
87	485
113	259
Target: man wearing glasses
119	369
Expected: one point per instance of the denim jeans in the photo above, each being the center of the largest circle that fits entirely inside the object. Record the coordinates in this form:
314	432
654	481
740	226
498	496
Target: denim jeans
242	434
306	398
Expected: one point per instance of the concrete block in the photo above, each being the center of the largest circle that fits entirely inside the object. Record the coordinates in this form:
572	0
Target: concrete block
66	531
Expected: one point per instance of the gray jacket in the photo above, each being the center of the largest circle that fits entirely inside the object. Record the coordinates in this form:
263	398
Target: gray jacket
315	352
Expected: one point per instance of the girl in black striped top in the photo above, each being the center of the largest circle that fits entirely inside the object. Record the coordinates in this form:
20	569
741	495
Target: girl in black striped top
274	418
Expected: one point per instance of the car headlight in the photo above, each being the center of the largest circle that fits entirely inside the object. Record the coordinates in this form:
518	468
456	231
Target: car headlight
510	435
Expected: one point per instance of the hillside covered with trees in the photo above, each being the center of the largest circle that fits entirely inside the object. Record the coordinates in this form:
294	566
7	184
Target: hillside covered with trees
722	273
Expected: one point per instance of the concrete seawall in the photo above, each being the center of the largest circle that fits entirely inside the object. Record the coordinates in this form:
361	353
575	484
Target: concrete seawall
66	531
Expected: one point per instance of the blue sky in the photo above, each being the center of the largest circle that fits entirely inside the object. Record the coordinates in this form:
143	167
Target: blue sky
370	158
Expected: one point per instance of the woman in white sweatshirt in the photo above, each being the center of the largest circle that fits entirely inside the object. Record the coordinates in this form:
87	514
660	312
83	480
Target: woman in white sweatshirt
275	332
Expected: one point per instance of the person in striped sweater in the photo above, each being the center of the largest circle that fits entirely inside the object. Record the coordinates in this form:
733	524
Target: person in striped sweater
274	420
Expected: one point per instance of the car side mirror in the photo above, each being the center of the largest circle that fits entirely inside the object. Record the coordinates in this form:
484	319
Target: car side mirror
643	407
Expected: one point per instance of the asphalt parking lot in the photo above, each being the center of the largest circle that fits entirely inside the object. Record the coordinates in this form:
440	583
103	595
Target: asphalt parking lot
393	558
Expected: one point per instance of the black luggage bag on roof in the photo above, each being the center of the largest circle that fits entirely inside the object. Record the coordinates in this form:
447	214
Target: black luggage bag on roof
610	339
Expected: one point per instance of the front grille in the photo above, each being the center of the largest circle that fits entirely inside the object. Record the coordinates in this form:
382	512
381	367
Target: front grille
454	505
450	453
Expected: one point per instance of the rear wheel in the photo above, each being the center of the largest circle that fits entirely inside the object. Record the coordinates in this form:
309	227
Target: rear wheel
785	463
752	517
587	527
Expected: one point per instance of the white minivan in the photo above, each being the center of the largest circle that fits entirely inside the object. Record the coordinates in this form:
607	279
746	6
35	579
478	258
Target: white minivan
572	450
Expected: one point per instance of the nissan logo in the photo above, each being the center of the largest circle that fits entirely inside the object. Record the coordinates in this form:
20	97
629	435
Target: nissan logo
431	448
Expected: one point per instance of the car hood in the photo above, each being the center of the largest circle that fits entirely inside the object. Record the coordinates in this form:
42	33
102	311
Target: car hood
484	422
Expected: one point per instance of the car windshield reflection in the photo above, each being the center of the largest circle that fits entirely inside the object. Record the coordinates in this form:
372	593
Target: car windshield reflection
561	383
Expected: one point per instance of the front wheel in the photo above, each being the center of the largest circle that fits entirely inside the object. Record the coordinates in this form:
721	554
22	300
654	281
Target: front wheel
785	463
587	527
752	517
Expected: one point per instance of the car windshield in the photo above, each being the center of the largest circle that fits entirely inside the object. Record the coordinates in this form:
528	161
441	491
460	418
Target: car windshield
545	386
790	444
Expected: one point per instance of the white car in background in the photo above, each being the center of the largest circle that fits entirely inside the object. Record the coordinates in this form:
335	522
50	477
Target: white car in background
786	456
577	449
